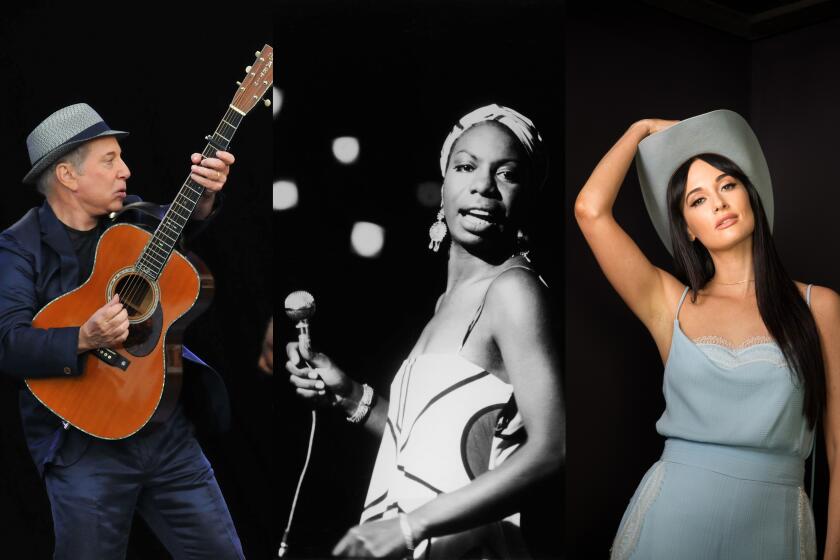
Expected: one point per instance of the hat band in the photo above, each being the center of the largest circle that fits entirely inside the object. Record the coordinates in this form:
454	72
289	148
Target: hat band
89	132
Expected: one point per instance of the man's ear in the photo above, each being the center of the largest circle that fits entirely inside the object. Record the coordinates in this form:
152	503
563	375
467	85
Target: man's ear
67	176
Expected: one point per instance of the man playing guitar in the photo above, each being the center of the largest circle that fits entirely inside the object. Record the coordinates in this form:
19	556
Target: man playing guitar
95	485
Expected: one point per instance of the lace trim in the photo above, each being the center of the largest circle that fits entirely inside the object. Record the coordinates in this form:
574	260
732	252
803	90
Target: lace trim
807	534
755	349
727	359
628	536
726	343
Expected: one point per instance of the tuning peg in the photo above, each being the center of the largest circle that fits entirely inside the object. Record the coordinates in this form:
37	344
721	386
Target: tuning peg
239	83
267	102
257	53
247	69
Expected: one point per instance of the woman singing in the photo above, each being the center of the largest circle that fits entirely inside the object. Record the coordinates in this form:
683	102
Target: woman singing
475	414
752	358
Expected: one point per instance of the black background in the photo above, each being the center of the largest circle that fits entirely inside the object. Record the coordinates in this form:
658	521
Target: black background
633	62
397	76
168	81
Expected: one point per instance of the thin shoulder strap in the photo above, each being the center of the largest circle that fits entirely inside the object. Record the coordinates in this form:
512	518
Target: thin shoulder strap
808	295
484	299
679	305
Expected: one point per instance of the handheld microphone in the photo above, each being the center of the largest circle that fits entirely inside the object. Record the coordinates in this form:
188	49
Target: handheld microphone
300	307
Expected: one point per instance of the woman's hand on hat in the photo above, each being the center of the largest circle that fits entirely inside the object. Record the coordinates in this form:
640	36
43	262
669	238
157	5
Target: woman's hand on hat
316	378
657	125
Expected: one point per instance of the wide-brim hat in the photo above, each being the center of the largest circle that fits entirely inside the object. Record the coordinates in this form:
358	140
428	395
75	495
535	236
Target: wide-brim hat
721	132
62	131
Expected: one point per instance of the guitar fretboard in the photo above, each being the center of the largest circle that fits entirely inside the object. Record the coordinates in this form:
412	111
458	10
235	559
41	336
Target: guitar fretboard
156	253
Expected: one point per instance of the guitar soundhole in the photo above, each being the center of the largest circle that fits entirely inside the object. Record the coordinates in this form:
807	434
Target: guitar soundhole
137	295
143	335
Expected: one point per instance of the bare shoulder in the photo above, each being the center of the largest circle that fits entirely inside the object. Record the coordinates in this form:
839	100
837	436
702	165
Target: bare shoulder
520	315
825	305
516	287
517	301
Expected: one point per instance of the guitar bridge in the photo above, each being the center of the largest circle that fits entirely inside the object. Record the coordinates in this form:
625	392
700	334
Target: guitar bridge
112	358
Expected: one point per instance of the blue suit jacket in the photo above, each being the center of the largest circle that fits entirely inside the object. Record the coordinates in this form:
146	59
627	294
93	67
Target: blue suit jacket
38	264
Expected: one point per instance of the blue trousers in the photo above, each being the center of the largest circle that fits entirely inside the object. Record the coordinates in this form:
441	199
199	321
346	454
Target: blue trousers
161	473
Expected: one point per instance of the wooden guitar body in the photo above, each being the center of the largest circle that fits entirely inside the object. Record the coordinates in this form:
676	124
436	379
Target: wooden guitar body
123	388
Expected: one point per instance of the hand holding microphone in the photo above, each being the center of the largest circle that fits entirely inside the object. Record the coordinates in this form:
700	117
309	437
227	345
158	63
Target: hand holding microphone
313	374
315	378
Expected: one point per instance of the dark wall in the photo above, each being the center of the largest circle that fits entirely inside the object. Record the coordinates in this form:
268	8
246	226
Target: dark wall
168	81
794	92
793	98
397	76
622	65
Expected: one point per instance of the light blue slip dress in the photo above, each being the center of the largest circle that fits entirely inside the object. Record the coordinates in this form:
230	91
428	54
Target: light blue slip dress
729	482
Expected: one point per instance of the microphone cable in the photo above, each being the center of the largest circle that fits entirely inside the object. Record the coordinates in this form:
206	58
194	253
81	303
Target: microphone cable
283	544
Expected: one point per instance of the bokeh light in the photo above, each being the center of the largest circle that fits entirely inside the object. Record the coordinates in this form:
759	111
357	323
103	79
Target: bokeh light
285	194
346	149
276	101
367	239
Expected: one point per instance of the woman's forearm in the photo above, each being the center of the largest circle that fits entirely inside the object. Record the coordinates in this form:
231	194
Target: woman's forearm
375	424
378	415
491	496
598	195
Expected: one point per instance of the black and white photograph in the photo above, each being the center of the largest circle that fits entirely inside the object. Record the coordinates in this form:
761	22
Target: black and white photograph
419	154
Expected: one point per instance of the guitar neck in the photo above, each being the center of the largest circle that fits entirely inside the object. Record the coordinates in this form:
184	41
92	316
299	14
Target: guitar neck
156	254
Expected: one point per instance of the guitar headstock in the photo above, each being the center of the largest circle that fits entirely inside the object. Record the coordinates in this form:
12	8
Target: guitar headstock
258	79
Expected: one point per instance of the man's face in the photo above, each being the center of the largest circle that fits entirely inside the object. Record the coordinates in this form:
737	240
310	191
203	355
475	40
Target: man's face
101	181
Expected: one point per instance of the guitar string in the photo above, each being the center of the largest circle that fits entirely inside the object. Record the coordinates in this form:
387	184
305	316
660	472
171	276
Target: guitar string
133	289
137	283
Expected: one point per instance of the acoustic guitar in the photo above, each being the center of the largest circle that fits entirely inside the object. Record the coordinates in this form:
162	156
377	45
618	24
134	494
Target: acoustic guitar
123	388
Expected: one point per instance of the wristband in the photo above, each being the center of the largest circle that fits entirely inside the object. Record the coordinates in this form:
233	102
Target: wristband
363	407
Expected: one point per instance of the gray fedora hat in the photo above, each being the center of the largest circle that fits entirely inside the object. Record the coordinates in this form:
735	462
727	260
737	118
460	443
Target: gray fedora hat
721	132
62	131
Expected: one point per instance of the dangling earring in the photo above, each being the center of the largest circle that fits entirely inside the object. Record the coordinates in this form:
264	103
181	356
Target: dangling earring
521	243
437	232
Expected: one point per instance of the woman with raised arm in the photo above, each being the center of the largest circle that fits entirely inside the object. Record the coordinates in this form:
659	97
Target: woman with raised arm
752	358
475	415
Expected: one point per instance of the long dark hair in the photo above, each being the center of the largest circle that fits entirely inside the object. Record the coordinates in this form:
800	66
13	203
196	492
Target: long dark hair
780	303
